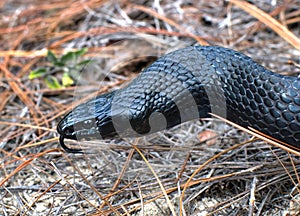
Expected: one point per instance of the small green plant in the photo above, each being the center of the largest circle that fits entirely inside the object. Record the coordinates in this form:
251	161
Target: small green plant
68	64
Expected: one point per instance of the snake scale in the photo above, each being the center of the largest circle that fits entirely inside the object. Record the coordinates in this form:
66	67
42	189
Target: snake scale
187	84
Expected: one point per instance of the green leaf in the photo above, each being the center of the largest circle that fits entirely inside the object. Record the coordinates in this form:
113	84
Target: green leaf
80	52
51	57
52	82
37	73
73	55
84	62
67	80
59	64
71	70
68	57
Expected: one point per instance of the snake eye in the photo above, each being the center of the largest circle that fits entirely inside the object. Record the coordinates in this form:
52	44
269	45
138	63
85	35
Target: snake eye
83	125
87	124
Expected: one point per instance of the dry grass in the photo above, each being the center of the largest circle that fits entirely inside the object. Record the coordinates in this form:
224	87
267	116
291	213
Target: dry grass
146	176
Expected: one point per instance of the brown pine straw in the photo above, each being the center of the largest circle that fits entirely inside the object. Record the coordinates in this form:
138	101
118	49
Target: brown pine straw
157	179
188	183
272	23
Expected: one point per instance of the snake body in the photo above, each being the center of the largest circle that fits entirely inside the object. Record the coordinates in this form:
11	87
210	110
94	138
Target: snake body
187	84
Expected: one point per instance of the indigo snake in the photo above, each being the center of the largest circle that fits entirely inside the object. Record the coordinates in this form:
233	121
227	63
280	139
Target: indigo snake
187	84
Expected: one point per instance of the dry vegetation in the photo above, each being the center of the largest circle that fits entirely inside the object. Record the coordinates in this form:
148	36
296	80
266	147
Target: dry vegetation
233	176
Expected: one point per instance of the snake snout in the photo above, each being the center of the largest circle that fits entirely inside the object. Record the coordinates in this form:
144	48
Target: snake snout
66	129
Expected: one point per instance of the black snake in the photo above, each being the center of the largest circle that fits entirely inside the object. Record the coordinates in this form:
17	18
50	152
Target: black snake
187	84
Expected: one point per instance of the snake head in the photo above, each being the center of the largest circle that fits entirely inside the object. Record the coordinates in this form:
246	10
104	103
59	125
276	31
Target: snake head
115	114
89	120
